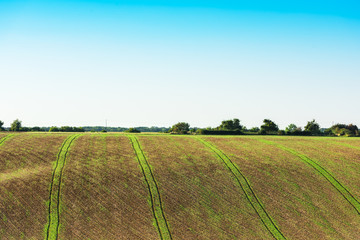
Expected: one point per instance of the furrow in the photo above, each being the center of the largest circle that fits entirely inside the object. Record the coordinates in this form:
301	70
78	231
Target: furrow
155	198
343	144
52	227
328	176
247	189
2	140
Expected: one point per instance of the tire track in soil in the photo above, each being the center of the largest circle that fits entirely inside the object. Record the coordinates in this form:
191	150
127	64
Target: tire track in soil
328	176
340	144
2	140
247	189
52	227
155	198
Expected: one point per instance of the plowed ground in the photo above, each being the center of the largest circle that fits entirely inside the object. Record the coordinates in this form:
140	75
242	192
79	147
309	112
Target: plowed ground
25	174
104	194
201	198
302	202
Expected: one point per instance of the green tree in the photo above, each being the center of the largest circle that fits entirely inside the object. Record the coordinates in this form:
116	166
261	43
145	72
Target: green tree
312	127
269	127
230	125
344	130
353	129
254	129
36	129
291	128
181	127
54	129
1	126
16	125
132	130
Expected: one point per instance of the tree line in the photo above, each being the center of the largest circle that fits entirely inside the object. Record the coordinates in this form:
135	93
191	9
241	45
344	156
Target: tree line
269	127
16	126
227	127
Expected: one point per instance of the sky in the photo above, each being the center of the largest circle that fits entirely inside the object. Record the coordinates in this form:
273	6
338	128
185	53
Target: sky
156	63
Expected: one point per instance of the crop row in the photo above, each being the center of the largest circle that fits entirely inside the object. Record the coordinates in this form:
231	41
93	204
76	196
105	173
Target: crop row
197	187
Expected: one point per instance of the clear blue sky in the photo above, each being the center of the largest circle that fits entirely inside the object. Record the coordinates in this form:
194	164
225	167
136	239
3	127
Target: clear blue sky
145	63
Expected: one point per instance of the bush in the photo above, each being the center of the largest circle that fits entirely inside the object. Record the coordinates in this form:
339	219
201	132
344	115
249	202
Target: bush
180	128
344	130
281	132
66	129
54	129
218	132
132	130
254	129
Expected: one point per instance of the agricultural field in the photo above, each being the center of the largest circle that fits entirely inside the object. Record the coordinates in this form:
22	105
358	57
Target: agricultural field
26	165
159	186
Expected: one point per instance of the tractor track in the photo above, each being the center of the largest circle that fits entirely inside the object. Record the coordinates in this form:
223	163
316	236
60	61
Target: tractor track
322	171
155	198
247	189
341	144
2	140
52	228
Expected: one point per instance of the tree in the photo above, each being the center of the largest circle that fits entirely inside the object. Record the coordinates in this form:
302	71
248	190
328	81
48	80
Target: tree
36	129
1	126
181	127
344	130
281	132
132	130
312	127
269	127
230	125
291	128
254	129
16	125
54	129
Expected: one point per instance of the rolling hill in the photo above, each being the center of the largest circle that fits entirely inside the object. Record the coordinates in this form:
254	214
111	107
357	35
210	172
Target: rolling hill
159	186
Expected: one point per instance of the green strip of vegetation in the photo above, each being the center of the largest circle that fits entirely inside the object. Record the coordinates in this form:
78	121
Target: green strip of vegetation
249	192
155	199
52	227
2	140
340	187
344	144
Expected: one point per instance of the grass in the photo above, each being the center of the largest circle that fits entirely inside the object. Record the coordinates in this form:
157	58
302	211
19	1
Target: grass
246	187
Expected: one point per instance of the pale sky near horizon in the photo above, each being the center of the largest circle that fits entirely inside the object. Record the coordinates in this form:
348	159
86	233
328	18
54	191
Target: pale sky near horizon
156	63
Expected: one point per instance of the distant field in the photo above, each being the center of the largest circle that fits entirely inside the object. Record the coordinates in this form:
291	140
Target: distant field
159	186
